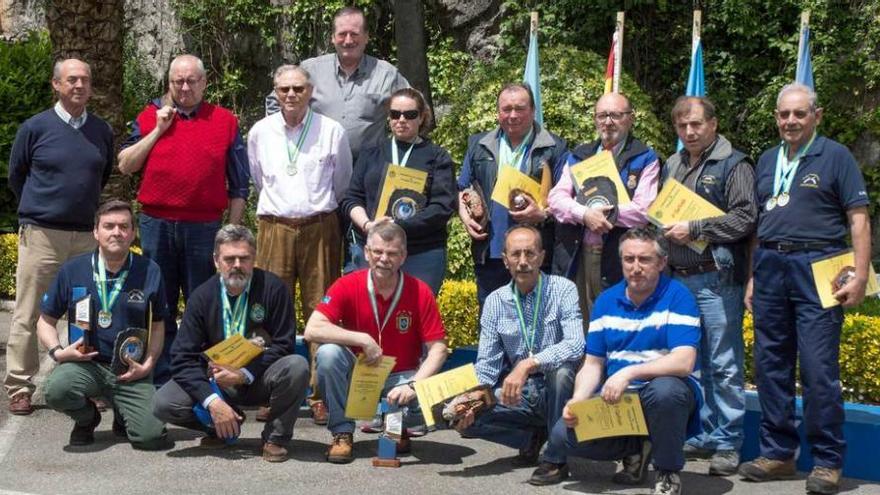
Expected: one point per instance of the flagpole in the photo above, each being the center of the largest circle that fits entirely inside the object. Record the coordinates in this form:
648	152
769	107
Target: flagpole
534	25
697	29
618	52
805	24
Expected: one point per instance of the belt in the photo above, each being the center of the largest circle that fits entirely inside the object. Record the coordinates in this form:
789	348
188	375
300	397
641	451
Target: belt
788	247
704	267
296	222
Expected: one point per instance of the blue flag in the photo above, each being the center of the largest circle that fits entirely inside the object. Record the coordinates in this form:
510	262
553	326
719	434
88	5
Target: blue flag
804	73
532	76
696	85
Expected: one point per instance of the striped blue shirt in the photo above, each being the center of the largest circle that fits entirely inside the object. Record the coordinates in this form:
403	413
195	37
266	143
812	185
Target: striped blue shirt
559	334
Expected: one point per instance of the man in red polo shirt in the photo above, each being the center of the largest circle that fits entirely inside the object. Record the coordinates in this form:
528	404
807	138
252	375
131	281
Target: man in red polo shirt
376	312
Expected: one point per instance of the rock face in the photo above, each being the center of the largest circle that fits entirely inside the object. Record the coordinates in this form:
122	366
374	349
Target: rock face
154	27
18	17
474	24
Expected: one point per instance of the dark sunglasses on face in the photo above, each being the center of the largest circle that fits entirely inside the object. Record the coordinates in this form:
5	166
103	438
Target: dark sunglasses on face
407	114
287	89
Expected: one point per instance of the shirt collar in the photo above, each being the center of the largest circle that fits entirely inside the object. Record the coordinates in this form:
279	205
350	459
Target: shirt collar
75	122
357	71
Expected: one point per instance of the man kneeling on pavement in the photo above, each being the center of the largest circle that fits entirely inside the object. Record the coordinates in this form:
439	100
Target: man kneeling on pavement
379	312
253	303
644	334
531	342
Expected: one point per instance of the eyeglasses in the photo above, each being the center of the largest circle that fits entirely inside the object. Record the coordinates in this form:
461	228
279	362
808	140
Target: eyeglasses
615	116
528	254
407	114
798	114
178	83
287	89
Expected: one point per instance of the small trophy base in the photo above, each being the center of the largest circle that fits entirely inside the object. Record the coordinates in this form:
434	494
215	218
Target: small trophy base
380	462
85	349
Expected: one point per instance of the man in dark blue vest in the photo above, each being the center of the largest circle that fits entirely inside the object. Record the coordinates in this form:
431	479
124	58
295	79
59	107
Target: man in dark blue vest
709	165
586	241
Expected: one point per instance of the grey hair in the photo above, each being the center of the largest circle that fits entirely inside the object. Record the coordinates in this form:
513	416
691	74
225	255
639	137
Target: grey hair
56	69
647	233
812	97
291	68
200	66
387	231
233	233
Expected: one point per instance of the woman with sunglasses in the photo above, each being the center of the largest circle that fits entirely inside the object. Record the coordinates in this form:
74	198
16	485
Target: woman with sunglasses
425	224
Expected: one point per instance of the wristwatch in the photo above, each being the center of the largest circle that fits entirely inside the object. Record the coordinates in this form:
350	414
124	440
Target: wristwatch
53	350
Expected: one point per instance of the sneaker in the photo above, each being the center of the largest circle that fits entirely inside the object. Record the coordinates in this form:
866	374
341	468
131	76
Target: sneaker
20	405
375	425
723	463
764	469
319	412
340	448
668	483
823	480
274	452
635	467
85	434
549	473
528	455
694	453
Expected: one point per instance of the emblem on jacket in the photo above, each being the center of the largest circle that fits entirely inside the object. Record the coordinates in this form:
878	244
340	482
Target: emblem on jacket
810	180
258	313
404	321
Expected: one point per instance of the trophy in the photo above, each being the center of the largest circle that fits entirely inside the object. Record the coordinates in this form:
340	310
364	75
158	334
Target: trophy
599	191
475	203
388	440
79	317
478	399
516	200
130	345
842	278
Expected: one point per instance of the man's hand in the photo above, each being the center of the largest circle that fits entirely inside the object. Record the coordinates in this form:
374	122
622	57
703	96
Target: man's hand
225	419
615	386
465	422
596	219
568	416
164	118
227	377
372	223
470	225
372	351
135	371
531	214
511	388
401	395
851	294
678	233
70	353
747	298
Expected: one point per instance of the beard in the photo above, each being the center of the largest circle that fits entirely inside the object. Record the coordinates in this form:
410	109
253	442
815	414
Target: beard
236	280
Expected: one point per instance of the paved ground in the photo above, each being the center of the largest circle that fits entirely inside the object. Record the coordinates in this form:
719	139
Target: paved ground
35	459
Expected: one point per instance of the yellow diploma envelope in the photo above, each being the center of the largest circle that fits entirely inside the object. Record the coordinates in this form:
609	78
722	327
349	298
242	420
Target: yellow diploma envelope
442	386
235	351
399	178
676	203
366	387
509	179
598	419
825	270
600	165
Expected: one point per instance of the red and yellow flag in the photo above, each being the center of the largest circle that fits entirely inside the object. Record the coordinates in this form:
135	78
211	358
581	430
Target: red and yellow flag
609	69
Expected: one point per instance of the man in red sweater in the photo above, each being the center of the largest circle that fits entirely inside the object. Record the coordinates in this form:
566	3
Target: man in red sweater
194	165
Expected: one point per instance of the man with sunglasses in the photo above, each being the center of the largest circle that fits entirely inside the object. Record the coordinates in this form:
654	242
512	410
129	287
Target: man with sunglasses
301	165
586	240
811	197
194	169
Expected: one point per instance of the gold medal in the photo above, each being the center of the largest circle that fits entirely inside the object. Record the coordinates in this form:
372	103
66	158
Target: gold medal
105	319
783	199
771	203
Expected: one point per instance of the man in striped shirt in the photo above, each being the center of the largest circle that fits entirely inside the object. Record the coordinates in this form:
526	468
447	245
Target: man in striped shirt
531	342
644	335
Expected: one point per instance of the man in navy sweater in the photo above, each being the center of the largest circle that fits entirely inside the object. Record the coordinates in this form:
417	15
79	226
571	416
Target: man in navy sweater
60	161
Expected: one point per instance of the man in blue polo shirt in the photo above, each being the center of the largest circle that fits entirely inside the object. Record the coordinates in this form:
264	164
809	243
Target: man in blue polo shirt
118	297
644	335
811	196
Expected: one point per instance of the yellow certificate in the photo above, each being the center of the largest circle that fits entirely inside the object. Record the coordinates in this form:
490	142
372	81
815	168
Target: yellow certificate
399	178
599	419
676	203
366	387
442	386
236	351
827	269
600	165
510	179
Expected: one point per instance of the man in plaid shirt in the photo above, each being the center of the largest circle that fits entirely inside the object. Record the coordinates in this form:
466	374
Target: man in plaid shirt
531	342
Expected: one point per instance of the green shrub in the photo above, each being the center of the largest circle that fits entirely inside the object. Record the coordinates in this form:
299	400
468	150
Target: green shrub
460	312
459	262
8	262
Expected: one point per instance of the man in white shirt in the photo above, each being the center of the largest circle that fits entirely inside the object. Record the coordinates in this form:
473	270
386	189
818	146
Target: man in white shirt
301	165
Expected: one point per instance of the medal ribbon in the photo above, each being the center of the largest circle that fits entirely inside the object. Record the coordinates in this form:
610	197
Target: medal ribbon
371	290
234	318
785	169
100	277
394	154
514	158
528	333
293	154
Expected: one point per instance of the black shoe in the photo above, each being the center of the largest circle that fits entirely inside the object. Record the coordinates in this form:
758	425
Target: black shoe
85	434
118	424
549	474
635	467
528	456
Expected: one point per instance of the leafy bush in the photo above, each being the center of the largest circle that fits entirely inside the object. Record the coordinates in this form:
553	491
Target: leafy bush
459	262
8	263
460	312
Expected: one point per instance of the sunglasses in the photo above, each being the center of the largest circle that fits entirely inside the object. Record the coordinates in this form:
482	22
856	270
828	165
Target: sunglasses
287	89
407	114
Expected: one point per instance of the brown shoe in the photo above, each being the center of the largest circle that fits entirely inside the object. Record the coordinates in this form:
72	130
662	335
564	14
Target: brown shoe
20	405
823	480
764	469
274	453
339	451
319	412
262	414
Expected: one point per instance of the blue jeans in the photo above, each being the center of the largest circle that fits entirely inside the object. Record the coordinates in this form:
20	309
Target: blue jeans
721	359
543	398
184	253
667	402
334	365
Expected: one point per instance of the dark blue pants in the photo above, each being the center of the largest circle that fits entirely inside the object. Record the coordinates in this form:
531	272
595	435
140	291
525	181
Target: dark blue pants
490	275
789	320
184	253
667	402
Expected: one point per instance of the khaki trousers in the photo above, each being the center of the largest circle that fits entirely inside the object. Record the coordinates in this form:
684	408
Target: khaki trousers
307	254
41	252
589	280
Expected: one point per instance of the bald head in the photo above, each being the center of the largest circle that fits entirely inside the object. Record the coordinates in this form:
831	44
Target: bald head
72	82
614	118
